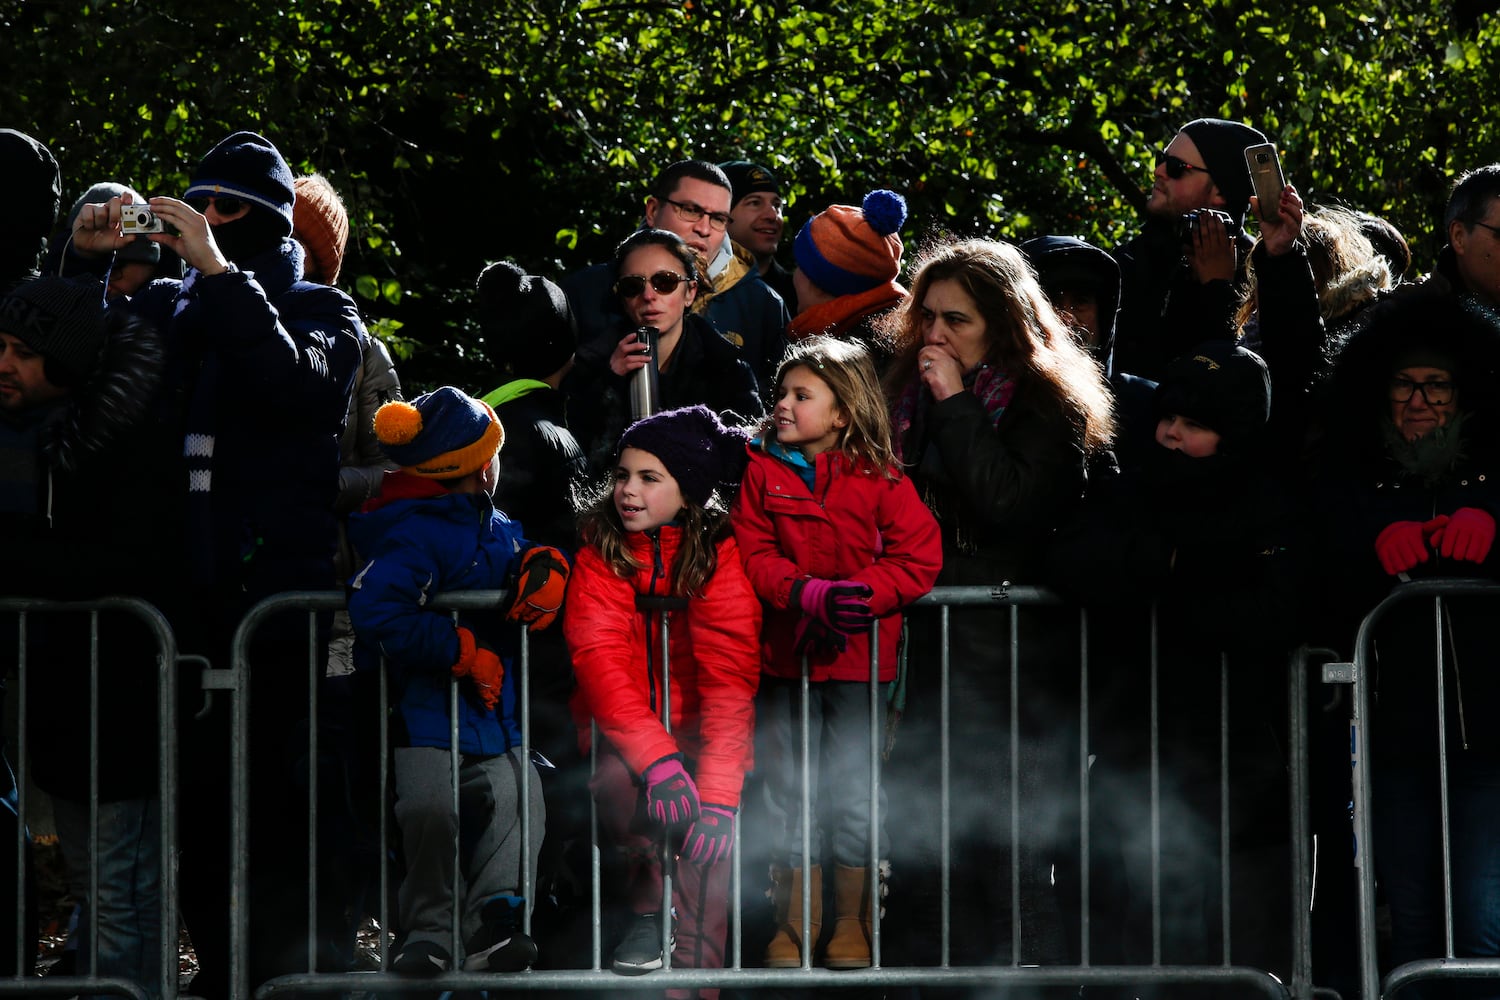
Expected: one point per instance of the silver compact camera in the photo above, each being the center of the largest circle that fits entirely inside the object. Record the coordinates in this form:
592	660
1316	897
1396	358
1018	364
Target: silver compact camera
135	219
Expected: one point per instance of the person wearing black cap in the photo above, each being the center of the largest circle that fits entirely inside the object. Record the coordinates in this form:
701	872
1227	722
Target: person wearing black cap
1179	288
132	266
263	362
1201	532
757	219
78	391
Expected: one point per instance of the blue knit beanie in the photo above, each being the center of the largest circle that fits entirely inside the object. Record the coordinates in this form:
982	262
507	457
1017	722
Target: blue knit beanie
846	250
247	166
444	434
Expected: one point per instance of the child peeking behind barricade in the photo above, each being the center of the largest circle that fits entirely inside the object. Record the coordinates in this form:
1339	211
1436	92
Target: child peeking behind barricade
834	538
675	736
434	530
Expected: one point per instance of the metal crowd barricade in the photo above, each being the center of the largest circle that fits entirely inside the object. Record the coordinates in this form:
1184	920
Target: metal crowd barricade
21	611
594	976
1446	967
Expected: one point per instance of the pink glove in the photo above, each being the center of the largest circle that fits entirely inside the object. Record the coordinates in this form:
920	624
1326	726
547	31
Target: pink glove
671	795
1467	535
711	836
1401	545
842	605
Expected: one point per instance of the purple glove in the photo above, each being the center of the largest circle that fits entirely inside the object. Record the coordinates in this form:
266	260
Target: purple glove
671	796
711	836
842	605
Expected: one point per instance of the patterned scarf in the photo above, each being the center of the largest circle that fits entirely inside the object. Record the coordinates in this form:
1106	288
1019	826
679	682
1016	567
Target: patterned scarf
993	387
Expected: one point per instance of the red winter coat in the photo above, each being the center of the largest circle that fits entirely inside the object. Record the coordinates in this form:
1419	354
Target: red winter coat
714	669
861	526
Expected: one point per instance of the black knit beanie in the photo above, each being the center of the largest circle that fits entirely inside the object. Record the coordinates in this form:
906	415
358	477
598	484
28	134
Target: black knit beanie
247	166
62	320
1223	387
747	178
1222	145
527	322
33	185
700	452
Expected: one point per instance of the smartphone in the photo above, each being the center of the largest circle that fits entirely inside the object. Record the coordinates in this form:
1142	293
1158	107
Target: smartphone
1266	176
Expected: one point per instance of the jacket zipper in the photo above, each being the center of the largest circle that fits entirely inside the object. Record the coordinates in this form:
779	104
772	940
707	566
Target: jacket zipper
657	572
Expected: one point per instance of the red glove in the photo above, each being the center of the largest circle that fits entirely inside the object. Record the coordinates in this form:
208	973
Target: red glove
540	586
1401	545
1467	535
481	666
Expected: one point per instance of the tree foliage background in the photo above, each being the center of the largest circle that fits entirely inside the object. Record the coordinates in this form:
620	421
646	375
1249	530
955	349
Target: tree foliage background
464	131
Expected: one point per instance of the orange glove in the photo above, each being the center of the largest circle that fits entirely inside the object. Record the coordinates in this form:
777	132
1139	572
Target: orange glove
540	585
481	666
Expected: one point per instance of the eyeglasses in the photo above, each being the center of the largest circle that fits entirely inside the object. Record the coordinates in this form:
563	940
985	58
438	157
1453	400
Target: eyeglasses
689	212
1494	230
1438	392
226	204
1176	165
630	286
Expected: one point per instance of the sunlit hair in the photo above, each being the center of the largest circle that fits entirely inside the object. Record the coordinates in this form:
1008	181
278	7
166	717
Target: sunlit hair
848	370
1347	269
657	238
1024	336
697	554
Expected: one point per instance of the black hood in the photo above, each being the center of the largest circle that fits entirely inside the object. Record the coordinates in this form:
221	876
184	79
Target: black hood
1060	261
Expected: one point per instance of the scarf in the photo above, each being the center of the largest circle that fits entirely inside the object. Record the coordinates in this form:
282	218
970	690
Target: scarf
838	316
993	388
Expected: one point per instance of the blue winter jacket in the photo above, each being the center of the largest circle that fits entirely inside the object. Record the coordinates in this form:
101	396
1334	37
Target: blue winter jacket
418	541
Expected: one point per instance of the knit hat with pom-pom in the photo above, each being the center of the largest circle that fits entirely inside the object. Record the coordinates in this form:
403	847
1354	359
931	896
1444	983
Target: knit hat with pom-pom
444	434
701	453
320	222
846	250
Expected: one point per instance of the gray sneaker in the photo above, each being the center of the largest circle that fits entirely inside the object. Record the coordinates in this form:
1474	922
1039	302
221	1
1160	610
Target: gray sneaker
640	950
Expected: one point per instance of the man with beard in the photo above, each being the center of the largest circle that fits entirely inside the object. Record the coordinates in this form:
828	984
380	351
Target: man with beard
260	364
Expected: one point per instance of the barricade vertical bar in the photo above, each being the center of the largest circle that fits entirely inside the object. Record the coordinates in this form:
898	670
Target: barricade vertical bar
1224	899
1155	795
668	868
877	720
166	709
1085	930
804	716
1442	725
239	819
596	926
312	791
22	770
455	919
1015	785
524	689
1301	894
385	834
945	751
1359	744
92	931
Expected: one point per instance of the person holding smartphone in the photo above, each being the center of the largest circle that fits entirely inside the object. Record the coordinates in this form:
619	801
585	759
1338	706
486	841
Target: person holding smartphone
1182	276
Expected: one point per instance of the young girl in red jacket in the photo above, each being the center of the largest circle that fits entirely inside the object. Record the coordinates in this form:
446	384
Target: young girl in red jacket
675	738
834	538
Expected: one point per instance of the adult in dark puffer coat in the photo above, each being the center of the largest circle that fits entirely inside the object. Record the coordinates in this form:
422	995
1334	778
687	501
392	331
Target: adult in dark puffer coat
1409	490
260	364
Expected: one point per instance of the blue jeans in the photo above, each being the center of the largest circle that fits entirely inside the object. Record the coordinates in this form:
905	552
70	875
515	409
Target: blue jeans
1408	862
129	905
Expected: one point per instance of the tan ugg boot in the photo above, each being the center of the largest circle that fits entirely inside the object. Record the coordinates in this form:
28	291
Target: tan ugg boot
784	951
850	946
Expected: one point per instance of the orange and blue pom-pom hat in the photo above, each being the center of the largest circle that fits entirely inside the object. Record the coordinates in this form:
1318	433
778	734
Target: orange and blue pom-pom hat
443	434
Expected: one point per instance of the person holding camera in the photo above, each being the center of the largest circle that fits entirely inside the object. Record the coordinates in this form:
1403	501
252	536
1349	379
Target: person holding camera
1182	276
260	364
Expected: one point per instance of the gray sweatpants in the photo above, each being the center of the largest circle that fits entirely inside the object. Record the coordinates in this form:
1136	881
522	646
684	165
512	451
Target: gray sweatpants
487	832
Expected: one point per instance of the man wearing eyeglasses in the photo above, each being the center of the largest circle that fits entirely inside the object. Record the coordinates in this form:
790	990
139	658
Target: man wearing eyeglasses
262	363
1471	260
1181	281
692	198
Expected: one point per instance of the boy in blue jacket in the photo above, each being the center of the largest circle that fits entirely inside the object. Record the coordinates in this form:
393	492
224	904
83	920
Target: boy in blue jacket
434	529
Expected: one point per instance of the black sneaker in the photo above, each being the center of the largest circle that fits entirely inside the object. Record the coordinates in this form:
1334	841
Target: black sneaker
500	946
420	958
640	950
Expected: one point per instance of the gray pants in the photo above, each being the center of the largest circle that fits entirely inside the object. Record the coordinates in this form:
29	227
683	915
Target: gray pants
486	832
839	753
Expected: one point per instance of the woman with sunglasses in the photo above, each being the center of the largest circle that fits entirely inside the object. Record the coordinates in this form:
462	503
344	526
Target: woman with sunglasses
656	281
1410	490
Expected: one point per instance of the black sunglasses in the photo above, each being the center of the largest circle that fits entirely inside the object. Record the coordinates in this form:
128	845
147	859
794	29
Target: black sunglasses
1176	165
629	286
226	204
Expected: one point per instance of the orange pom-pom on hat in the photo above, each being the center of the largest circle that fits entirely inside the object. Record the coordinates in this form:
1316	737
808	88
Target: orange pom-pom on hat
444	434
